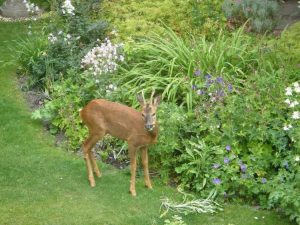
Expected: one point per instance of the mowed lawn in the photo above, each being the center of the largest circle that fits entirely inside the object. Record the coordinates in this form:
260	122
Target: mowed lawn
43	184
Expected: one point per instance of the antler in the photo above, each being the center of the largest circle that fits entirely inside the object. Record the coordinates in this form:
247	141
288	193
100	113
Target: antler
152	94
143	97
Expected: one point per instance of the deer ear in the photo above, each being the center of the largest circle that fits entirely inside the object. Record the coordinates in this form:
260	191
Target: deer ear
156	100
140	99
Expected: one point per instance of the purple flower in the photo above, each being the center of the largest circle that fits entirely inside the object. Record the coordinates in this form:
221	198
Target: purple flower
216	165
197	72
226	160
216	181
220	93
228	148
263	180
220	80
194	87
207	76
243	167
230	88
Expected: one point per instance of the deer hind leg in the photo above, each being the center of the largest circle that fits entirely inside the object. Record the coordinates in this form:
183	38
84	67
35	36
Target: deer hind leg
94	164
132	155
144	156
87	147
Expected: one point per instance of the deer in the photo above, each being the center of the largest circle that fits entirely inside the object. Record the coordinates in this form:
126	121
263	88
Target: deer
138	128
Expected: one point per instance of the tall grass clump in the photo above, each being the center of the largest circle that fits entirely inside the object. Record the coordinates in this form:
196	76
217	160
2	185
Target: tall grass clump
173	66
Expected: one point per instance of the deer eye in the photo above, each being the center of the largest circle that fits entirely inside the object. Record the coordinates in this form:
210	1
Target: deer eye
143	115
154	114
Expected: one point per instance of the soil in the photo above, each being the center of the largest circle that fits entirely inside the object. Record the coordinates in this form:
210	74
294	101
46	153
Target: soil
289	13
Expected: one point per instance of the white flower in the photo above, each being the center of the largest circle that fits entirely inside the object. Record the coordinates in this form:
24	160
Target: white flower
288	91
287	101
287	127
296	84
103	59
297	158
68	8
294	103
296	115
297	89
69	36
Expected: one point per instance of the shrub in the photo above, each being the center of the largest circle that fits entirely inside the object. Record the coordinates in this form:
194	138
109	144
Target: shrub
164	154
140	18
31	52
70	37
261	13
208	21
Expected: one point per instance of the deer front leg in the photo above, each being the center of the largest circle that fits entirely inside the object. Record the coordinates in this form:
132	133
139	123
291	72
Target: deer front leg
144	155
132	154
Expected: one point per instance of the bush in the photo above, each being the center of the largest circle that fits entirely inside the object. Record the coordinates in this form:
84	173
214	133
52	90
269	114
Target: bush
262	14
70	37
206	20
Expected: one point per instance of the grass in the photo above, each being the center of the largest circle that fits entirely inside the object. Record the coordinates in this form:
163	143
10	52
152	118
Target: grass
42	184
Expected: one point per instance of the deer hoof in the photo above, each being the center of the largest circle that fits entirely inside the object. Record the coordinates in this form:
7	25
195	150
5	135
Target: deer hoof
98	174
149	186
92	183
133	193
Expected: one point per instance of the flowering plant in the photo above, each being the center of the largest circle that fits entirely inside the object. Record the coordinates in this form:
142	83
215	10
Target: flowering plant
67	8
210	91
293	98
103	59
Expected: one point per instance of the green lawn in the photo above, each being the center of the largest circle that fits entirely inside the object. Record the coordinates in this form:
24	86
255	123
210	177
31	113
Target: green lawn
42	184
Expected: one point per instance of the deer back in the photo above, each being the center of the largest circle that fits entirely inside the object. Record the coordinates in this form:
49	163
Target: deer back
117	120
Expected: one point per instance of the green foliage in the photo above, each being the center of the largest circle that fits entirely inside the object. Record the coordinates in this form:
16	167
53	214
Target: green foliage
31	52
173	66
140	18
164	153
69	38
261	13
208	21
288	45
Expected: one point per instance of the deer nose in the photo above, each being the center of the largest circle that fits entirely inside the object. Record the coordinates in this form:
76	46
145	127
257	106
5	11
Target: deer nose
149	126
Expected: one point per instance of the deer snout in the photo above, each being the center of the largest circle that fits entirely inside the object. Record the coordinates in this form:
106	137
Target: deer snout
149	127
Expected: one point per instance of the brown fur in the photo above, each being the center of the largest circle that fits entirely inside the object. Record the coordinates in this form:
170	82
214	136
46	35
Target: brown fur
104	117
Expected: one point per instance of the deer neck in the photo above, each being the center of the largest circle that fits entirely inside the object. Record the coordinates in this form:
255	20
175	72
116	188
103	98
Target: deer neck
154	133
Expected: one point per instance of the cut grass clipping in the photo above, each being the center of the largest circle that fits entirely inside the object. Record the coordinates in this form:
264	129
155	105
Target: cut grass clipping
191	205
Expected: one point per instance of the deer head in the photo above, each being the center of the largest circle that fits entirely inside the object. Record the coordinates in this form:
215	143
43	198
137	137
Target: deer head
149	110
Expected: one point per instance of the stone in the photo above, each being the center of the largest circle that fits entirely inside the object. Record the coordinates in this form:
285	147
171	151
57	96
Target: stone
14	9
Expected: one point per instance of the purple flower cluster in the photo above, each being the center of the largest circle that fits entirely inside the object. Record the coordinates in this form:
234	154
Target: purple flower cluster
226	160
213	89
243	167
217	181
263	180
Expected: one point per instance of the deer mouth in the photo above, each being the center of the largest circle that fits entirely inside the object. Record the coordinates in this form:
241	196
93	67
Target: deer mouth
149	127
